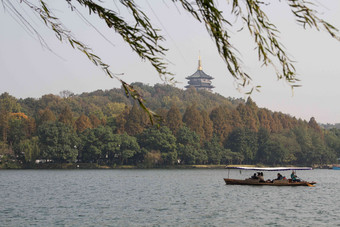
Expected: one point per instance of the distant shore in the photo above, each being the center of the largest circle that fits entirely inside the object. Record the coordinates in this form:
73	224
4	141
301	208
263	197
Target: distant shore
97	166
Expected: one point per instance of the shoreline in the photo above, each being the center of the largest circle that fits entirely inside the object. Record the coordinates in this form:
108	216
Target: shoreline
45	166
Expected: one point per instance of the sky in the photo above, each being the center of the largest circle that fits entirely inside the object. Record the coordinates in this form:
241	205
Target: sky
28	69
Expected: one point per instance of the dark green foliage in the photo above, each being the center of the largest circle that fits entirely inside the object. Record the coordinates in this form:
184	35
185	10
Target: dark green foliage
243	141
59	142
160	139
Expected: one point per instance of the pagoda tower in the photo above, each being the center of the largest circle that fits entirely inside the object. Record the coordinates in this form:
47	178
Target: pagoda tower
200	80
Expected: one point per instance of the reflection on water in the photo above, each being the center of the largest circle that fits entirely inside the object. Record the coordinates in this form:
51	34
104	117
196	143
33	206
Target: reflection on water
163	198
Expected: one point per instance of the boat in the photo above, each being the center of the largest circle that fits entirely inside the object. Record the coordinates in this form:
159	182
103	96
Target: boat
336	167
283	182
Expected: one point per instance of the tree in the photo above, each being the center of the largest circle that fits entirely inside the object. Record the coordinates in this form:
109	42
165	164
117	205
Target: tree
46	115
162	140
188	145
146	41
8	105
174	119
30	148
136	121
58	141
264	118
243	141
101	145
82	123
248	116
66	116
194	120
221	117
214	151
207	126
128	148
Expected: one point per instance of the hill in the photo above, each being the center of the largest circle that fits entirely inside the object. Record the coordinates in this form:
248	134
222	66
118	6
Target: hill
197	127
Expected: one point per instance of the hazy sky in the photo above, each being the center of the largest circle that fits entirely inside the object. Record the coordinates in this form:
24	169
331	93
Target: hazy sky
27	69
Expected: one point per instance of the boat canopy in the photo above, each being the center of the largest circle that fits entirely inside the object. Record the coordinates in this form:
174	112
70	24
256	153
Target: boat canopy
268	168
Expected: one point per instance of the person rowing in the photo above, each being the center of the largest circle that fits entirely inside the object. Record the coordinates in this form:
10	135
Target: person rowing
294	177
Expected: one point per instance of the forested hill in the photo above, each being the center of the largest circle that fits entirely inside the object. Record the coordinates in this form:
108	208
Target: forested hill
109	103
198	127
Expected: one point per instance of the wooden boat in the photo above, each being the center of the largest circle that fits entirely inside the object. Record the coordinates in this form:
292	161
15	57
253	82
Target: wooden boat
270	183
284	182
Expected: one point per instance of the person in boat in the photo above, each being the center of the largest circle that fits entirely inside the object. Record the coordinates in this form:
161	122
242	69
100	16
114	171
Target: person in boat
254	176
260	176
294	177
279	177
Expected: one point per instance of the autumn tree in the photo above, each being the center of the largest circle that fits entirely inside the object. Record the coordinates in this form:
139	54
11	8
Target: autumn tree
8	105
46	115
174	119
314	125
136	121
194	120
82	123
66	116
207	126
264	118
221	125
248	116
276	125
94	120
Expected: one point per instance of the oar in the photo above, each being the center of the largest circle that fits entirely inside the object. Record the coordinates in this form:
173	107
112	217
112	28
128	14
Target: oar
310	185
307	183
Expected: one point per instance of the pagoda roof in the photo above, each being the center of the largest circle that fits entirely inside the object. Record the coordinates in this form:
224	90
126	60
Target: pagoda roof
199	74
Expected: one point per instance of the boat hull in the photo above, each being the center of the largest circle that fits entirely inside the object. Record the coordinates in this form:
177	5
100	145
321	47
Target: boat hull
274	183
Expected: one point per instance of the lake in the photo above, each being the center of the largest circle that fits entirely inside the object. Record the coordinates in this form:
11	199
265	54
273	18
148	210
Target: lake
163	197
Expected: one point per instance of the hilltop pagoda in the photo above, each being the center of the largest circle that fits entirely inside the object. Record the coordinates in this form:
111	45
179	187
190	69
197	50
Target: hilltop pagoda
200	80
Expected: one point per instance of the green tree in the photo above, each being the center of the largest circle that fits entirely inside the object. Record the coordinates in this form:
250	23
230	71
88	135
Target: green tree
262	139
332	140
128	148
162	140
99	145
58	142
31	149
188	146
243	141
214	150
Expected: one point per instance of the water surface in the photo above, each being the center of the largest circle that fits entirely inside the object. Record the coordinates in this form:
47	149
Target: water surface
193	197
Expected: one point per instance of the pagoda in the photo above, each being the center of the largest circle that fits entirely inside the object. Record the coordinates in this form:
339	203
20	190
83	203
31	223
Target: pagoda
200	80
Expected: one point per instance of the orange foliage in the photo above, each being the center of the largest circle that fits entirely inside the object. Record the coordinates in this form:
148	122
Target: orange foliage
18	115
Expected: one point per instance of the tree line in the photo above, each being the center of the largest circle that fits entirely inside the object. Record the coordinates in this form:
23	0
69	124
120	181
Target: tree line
197	127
